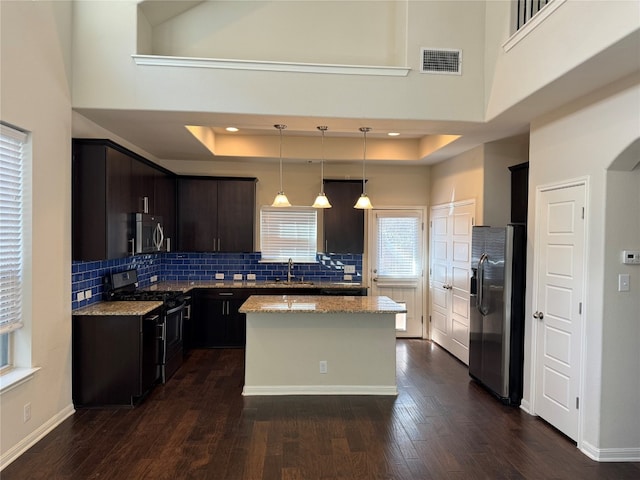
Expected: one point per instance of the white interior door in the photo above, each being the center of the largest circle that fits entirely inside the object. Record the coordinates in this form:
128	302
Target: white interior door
450	266
396	264
558	305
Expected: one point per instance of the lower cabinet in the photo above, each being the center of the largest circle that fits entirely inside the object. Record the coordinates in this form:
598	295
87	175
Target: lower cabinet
216	320
114	359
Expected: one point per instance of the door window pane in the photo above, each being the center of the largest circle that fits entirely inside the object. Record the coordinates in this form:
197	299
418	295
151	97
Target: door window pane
398	249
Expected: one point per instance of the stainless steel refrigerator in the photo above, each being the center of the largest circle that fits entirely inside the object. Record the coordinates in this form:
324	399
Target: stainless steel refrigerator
496	334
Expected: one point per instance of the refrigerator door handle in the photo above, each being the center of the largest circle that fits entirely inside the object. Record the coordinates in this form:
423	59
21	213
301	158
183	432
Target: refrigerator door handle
480	298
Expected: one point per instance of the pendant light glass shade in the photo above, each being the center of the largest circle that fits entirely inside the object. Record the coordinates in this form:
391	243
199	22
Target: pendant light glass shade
321	200
281	199
363	202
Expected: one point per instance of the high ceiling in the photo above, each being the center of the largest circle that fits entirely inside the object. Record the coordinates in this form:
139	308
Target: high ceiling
164	135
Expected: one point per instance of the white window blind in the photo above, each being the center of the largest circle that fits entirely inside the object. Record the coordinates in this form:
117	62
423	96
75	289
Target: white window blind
12	144
398	249
288	233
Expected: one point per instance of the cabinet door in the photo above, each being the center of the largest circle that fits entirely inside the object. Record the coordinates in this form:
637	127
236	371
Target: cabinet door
343	224
236	215
207	321
197	214
165	204
89	240
119	204
216	320
142	187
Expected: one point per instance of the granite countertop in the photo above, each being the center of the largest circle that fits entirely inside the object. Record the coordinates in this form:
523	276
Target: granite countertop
185	286
319	304
118	308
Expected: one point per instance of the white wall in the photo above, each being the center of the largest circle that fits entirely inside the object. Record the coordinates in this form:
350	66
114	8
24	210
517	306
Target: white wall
106	77
582	139
481	174
36	97
568	39
621	314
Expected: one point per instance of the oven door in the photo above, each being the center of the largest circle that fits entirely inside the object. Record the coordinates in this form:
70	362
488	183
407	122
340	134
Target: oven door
171	342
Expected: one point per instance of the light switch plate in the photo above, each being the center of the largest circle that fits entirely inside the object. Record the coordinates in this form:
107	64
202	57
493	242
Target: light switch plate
349	269
623	282
219	276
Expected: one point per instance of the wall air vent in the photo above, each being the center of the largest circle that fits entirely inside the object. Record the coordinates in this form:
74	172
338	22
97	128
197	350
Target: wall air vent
444	61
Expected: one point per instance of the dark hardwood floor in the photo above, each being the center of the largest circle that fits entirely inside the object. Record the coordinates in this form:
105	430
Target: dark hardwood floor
441	426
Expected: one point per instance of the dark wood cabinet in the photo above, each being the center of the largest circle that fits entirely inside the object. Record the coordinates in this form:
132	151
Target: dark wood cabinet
519	192
343	224
101	199
165	204
109	185
216	320
216	214
114	358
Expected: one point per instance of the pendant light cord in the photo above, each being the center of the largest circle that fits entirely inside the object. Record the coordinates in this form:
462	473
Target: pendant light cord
364	130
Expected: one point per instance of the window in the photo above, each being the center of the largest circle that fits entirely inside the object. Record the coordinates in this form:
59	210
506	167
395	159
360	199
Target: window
398	247
288	233
12	144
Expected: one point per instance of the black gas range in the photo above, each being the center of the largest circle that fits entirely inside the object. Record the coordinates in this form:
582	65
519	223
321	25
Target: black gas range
123	286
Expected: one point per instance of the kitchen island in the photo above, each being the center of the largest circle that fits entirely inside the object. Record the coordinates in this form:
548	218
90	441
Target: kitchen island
318	345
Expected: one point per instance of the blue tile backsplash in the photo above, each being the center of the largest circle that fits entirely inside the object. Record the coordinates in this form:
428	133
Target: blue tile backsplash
203	267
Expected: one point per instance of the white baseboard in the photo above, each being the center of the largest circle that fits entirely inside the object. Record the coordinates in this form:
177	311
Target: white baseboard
320	390
610	454
525	406
31	439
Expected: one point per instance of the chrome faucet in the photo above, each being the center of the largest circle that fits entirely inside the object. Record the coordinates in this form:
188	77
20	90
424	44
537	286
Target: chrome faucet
289	270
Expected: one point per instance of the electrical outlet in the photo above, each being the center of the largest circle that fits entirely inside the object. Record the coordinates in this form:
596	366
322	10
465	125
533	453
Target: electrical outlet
80	296
349	269
87	294
237	276
219	276
348	277
154	278
27	412
323	366
251	276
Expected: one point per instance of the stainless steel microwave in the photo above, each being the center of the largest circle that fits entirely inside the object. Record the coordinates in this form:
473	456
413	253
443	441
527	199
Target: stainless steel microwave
149	234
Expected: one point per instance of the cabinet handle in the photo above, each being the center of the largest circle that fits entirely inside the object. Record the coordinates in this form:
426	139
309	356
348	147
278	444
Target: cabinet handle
218	244
132	241
145	204
225	294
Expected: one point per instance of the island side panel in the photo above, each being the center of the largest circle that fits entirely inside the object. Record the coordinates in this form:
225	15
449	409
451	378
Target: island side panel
284	351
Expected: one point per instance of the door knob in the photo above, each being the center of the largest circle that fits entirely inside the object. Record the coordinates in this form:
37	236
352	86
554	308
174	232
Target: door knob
538	315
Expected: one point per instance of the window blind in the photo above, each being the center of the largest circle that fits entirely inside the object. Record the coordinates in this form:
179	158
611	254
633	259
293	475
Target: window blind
398	250
12	144
288	233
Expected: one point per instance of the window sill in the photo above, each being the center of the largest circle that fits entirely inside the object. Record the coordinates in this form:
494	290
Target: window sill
15	377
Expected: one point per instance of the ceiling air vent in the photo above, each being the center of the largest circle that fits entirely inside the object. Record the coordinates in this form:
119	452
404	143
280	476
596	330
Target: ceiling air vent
441	60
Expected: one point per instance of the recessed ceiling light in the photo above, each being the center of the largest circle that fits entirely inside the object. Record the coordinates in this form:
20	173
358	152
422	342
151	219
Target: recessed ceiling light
231	129
393	134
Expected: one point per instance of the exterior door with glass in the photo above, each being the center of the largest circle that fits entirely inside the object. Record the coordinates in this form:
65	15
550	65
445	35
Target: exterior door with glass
396	264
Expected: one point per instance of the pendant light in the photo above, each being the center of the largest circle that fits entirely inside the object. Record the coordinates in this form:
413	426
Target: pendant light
363	202
281	199
321	200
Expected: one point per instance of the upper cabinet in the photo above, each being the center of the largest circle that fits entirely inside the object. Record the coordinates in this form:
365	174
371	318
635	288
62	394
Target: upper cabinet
216	214
110	184
343	224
